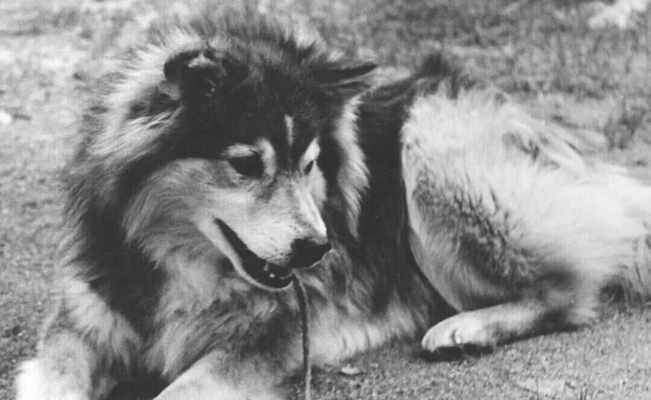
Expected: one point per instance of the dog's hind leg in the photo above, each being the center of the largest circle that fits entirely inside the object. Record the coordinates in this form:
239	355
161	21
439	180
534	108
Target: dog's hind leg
513	226
486	327
495	309
515	232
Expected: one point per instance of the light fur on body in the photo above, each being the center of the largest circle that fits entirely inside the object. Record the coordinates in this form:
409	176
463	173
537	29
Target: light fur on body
427	188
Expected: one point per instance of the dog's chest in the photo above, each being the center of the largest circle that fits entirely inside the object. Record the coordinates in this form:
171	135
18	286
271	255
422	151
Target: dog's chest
190	313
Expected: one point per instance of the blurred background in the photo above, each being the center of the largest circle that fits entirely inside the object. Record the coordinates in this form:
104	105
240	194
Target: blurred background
586	64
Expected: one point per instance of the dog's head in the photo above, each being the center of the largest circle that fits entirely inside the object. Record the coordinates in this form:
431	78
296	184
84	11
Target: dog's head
218	144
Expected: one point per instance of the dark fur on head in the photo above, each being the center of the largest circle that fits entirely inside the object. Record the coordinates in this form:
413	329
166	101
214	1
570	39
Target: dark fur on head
241	66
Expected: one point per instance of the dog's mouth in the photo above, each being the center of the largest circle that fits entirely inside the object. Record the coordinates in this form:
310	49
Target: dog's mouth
260	272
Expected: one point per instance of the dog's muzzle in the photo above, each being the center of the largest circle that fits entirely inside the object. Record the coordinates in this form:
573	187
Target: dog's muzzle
306	253
267	275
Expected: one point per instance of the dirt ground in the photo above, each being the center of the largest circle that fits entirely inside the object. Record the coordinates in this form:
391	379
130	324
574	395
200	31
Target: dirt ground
541	52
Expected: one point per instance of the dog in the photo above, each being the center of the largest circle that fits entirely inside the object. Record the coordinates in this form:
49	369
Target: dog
226	155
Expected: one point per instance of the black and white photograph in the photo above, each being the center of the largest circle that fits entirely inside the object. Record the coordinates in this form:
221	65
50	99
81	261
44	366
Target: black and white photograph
325	199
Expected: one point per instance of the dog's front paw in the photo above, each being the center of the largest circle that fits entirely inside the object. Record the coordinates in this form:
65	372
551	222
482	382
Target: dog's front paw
465	329
31	384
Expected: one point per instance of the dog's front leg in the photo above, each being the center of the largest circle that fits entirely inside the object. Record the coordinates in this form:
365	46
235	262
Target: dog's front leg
86	347
219	377
63	370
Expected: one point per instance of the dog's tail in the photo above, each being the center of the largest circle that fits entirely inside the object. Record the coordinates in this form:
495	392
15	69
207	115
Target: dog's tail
560	202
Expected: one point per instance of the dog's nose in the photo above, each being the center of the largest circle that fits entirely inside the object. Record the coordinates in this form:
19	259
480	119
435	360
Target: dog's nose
307	252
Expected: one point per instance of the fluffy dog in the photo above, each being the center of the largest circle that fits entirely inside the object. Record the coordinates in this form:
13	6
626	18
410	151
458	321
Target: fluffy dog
225	154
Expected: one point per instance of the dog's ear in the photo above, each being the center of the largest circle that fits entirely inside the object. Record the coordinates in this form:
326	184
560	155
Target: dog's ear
344	78
195	75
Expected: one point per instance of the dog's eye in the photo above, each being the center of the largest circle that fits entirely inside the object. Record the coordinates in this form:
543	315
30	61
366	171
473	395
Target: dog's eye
308	168
247	165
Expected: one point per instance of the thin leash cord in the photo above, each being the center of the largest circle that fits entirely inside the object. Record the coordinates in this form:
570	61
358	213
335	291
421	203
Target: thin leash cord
301	295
